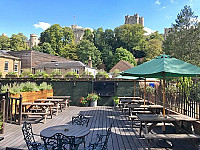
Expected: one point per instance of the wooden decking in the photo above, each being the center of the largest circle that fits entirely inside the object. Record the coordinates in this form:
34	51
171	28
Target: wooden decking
123	136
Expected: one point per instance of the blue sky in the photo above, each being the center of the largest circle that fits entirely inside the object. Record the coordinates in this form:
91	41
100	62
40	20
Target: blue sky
34	16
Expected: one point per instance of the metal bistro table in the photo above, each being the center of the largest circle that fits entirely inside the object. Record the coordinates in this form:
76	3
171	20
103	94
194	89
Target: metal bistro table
67	130
155	119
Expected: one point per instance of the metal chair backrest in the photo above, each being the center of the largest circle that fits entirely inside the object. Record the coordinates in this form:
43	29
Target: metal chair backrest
28	134
59	142
80	120
106	137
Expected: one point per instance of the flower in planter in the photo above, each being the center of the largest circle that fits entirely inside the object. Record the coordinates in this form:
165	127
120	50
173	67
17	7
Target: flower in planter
116	100
82	100
92	97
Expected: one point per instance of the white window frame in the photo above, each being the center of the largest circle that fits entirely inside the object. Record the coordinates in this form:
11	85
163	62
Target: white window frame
6	65
76	70
16	67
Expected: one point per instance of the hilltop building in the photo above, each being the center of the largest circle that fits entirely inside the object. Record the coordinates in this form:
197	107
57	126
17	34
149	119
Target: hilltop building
135	19
167	31
78	32
33	41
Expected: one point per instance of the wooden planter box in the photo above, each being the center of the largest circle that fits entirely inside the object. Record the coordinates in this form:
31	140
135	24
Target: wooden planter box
11	76
57	76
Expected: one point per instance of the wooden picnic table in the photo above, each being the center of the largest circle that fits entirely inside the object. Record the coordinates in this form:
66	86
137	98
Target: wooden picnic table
155	119
57	103
66	99
152	108
28	108
134	98
132	101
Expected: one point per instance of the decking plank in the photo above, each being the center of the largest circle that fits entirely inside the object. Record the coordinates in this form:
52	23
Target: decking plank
123	136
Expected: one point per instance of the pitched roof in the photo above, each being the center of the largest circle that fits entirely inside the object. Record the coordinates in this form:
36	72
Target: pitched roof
60	65
3	53
122	66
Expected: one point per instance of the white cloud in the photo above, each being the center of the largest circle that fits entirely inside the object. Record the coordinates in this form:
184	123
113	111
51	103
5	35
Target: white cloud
163	7
148	31
173	1
157	2
168	17
42	25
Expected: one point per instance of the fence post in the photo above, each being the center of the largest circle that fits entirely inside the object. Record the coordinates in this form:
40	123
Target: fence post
7	101
20	110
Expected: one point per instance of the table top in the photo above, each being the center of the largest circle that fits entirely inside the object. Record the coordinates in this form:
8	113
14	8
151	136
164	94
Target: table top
38	104
47	100
130	98
58	96
144	106
161	118
67	130
132	101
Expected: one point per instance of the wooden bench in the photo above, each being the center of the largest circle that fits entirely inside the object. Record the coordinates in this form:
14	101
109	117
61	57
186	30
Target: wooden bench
194	137
44	114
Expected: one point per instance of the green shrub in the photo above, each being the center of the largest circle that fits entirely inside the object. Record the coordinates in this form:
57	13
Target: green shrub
13	88
56	72
116	100
26	73
102	74
11	73
29	86
71	73
45	86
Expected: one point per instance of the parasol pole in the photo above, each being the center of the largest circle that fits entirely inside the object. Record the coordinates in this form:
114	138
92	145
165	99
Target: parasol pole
134	89
164	127
163	94
144	90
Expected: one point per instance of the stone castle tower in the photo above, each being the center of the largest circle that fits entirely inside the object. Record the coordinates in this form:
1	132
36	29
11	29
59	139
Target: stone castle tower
135	19
78	32
33	40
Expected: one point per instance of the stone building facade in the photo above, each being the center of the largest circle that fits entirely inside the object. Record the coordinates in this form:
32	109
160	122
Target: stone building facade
135	19
33	41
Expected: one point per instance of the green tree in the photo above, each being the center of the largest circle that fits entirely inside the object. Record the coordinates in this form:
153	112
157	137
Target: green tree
184	43
88	35
130	37
68	36
153	48
156	35
4	42
69	51
107	56
85	49
123	54
185	19
54	36
18	42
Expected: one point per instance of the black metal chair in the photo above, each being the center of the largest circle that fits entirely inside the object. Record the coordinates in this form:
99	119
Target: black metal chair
60	142
80	120
29	137
102	141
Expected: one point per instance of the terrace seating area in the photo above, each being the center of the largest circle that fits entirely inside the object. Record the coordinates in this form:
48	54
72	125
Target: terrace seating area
122	135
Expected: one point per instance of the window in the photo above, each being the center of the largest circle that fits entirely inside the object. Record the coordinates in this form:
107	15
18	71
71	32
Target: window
76	70
6	66
16	67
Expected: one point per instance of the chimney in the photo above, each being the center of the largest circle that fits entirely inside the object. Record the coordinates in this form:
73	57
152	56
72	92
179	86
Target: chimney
90	62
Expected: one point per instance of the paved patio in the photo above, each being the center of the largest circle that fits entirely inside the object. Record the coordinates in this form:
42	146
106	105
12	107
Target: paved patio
123	136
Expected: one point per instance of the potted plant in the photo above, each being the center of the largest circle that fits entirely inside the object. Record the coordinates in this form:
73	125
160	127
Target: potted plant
83	101
71	74
92	98
116	101
86	75
102	74
11	75
56	74
1	123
